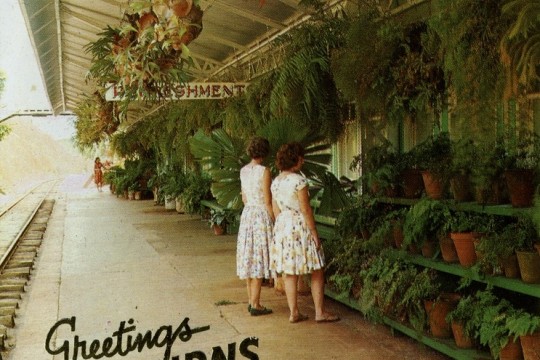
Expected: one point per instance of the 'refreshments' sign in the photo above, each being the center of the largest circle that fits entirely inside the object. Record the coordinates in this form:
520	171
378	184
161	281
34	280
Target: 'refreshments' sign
194	91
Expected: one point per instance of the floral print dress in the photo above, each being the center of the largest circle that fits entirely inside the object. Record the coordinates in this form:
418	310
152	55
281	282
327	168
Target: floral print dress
255	231
293	250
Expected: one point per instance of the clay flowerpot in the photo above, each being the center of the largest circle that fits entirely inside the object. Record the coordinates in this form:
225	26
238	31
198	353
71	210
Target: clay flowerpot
511	267
437	311
464	243
492	195
398	234
428	248
512	350
529	266
433	185
412	183
218	229
460	188
530	344
520	184
462	341
448	250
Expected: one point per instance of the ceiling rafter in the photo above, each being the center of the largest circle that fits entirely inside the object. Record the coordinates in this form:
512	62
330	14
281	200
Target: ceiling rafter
249	15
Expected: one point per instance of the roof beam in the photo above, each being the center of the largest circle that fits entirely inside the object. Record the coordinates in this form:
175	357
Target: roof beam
224	41
249	15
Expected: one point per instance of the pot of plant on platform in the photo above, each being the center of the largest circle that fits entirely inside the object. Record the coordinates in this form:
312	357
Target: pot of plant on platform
522	169
489	317
526	326
463	157
379	169
425	224
525	238
435	158
487	174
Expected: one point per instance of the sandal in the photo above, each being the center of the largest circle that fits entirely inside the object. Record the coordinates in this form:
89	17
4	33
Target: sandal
298	318
328	318
258	312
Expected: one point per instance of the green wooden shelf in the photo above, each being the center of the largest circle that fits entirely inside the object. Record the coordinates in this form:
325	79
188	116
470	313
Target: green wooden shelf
502	210
515	285
445	346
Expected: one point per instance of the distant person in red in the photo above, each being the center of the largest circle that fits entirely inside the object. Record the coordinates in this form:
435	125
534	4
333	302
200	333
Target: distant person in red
98	173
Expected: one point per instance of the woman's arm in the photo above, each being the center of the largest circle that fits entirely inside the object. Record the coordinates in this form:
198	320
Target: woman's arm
307	212
267	180
275	209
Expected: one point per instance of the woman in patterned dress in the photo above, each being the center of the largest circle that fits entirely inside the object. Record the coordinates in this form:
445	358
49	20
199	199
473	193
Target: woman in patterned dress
296	249
255	231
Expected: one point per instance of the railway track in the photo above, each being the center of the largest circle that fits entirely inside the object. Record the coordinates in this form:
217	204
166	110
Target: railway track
22	225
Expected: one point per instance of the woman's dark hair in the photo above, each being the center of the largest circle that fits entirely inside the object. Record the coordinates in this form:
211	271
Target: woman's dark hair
96	159
288	155
258	148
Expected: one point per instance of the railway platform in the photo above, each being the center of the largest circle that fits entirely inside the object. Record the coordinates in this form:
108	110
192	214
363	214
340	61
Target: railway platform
126	279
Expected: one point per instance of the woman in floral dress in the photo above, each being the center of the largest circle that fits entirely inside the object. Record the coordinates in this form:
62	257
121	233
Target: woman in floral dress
296	249
255	232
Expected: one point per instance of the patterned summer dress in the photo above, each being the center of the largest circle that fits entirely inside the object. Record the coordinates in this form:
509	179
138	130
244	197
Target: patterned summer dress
293	250
255	231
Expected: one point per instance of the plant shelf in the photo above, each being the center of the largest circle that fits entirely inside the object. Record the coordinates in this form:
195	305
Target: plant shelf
502	210
515	285
445	346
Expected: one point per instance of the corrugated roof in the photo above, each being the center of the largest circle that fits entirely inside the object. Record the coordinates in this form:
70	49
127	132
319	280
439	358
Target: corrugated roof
60	29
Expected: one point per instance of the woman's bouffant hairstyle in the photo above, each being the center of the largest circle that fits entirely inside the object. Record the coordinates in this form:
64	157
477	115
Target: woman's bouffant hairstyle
288	155
258	147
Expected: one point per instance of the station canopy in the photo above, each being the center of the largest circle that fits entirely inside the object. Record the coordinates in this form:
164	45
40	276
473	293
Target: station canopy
235	34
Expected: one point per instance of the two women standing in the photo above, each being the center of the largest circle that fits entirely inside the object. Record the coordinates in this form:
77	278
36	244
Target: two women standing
293	245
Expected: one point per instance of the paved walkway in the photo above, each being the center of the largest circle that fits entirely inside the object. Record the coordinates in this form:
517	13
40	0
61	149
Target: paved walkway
110	269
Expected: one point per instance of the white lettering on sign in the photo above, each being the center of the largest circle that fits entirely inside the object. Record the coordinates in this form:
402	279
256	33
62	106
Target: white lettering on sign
193	91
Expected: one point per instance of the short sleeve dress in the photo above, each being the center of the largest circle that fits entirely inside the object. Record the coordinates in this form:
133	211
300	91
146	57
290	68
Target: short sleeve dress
293	250
255	231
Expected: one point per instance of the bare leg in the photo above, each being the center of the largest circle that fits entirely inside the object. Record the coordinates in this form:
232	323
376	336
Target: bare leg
254	293
248	287
290	282
317	291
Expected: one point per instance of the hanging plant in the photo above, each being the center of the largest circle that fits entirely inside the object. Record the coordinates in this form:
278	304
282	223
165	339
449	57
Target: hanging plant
520	46
144	57
470	33
96	120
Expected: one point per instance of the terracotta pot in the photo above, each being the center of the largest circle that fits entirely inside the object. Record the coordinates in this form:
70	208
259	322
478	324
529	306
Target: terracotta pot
433	185
464	243
511	267
530	344
512	350
428	248
448	250
492	195
460	188
412	183
146	20
437	311
218	230
462	341
520	184
529	266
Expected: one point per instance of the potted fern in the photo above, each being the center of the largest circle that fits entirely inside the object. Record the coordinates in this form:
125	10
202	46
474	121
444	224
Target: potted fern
526	326
425	224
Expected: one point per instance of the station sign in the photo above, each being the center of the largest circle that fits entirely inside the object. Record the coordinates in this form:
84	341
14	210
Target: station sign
194	91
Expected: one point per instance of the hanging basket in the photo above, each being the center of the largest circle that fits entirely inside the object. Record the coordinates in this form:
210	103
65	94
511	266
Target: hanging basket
181	8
